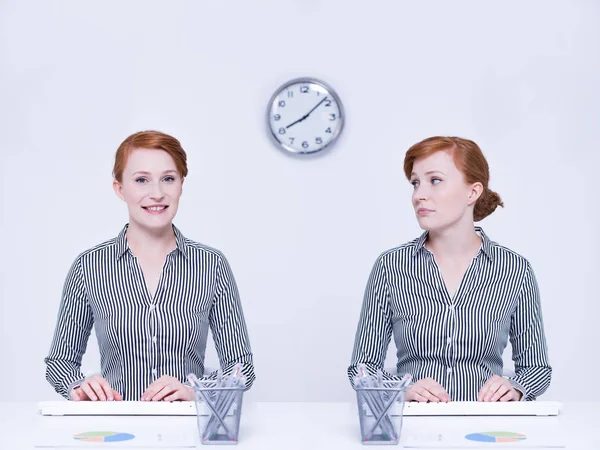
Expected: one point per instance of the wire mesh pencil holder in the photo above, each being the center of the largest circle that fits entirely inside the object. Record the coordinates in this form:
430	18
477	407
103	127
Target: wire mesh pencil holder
218	411
380	412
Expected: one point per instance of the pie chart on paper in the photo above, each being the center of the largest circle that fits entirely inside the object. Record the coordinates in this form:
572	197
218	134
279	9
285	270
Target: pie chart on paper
496	436
103	436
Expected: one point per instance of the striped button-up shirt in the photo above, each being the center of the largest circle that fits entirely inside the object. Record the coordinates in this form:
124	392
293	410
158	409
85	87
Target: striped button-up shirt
143	337
458	341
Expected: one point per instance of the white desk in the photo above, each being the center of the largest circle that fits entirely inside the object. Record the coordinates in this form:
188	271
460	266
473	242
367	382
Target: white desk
285	426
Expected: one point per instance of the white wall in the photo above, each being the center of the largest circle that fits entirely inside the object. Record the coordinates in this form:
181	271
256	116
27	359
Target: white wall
520	78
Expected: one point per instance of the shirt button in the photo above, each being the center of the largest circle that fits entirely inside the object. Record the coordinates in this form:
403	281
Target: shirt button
449	340
451	307
154	339
154	372
449	369
152	307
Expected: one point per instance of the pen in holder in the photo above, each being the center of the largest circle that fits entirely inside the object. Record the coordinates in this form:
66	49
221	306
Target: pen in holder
223	398
380	406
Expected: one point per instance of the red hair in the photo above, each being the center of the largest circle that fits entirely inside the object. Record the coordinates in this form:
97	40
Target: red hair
469	160
151	140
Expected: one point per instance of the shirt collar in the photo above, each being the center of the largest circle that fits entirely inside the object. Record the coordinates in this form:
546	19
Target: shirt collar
486	244
122	246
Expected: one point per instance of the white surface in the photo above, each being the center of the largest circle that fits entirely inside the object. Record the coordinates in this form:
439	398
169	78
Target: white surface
77	77
292	426
163	432
540	432
538	408
67	408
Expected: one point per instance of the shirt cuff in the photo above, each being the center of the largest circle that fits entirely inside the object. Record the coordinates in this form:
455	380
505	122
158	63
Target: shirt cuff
72	386
519	387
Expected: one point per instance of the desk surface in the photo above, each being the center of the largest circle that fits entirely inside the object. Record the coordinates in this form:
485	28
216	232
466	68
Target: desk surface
291	426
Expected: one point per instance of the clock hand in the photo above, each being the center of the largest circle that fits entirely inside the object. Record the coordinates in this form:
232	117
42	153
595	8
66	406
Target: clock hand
307	114
316	106
299	120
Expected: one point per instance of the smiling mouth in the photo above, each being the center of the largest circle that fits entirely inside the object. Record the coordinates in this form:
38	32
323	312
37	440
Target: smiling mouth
155	208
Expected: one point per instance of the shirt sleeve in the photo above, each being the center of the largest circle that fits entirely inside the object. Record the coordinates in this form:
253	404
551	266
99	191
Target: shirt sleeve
529	349
73	328
374	327
228	326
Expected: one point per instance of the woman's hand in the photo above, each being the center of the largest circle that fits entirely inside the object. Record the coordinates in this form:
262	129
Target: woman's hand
168	389
427	390
498	389
95	388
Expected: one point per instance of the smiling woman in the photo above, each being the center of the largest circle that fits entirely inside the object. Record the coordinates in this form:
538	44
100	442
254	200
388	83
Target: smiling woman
151	293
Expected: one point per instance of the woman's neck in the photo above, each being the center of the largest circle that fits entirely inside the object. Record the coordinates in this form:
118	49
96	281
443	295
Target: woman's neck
145	242
454	242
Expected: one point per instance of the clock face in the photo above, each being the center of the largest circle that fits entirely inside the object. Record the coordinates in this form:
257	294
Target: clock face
305	116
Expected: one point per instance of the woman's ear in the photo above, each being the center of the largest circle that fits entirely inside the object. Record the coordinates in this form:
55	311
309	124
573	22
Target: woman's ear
475	192
118	187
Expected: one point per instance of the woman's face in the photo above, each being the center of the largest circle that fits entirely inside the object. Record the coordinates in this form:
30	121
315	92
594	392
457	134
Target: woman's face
441	197
151	186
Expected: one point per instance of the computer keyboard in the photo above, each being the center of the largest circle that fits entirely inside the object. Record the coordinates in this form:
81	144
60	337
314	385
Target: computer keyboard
120	408
535	408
